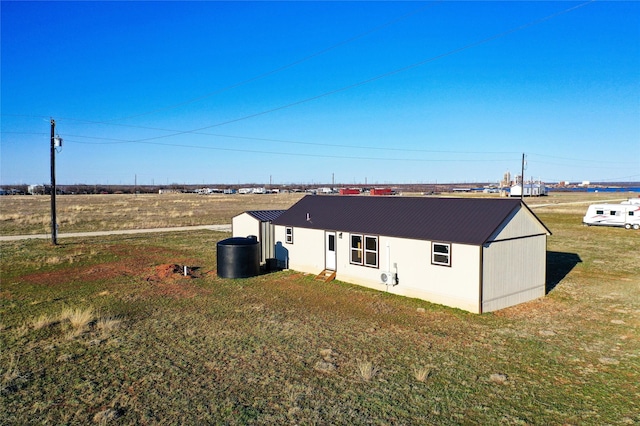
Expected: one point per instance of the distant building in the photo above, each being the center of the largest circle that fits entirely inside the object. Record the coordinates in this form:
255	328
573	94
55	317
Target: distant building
381	191
349	191
530	190
169	191
35	189
506	180
325	190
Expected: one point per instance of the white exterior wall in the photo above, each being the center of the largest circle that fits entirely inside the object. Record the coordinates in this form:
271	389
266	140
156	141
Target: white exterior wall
456	286
306	254
244	225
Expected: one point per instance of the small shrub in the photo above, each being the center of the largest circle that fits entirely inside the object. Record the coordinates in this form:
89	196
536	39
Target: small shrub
43	321
421	373
79	318
107	324
74	332
65	314
366	370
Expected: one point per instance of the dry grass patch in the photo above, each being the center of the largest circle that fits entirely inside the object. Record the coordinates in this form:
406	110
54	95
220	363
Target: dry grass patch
366	370
10	372
21	331
421	373
77	213
107	324
78	318
44	320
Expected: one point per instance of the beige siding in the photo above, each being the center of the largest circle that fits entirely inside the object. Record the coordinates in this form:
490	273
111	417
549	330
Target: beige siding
244	225
514	272
457	286
306	254
521	223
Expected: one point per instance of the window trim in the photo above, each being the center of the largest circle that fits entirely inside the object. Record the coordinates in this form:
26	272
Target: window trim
433	253
363	251
366	250
356	249
288	234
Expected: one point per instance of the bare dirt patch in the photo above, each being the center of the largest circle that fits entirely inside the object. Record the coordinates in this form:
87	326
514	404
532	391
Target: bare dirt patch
169	279
166	279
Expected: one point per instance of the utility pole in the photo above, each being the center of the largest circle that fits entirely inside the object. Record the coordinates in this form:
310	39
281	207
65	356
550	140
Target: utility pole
522	179
54	223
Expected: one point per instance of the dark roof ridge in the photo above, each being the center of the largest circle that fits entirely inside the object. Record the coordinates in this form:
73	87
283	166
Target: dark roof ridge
454	219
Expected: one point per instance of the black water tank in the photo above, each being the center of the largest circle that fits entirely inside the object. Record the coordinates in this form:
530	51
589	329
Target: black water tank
238	257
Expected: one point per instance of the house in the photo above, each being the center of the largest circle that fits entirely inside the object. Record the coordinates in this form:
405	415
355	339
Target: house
257	223
479	255
530	190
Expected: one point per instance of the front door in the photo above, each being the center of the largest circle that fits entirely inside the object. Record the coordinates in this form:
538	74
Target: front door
330	251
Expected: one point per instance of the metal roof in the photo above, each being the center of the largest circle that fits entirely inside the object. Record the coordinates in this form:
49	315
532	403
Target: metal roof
457	220
265	215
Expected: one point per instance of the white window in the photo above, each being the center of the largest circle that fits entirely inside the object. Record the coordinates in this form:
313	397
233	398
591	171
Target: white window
441	254
371	251
364	250
356	249
288	237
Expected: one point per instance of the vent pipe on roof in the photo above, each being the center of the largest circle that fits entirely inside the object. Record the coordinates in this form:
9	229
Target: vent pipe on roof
308	217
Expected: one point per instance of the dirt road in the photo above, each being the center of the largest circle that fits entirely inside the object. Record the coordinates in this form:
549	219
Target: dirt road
219	228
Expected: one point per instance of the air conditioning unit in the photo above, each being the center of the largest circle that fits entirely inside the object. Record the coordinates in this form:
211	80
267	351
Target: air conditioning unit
387	278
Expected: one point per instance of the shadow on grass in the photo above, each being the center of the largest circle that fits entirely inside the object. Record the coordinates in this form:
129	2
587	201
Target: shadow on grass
559	264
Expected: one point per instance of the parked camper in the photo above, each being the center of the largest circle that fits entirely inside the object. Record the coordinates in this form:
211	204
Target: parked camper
627	215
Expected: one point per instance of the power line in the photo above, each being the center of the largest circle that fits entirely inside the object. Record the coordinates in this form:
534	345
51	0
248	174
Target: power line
283	67
599	161
348	87
344	157
368	148
381	76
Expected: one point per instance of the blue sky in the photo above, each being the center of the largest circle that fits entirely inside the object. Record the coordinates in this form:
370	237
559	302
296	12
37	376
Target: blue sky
298	92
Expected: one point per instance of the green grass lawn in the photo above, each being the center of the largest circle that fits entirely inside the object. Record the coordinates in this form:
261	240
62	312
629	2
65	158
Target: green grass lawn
95	331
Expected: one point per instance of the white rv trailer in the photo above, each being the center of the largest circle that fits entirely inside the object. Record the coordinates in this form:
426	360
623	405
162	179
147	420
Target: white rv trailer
627	215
